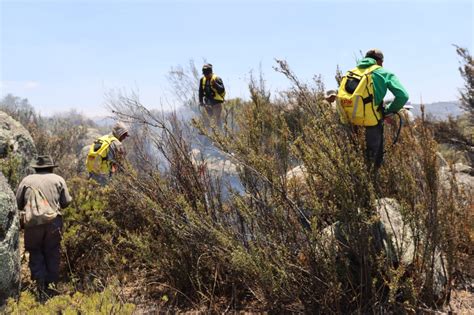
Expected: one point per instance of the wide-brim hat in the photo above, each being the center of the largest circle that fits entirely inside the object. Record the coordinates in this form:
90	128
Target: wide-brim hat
330	93
119	129
43	161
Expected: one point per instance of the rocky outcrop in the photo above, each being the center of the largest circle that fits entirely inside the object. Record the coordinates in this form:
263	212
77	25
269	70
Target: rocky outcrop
91	135
400	245
401	241
219	165
9	243
394	239
296	182
16	144
462	174
297	175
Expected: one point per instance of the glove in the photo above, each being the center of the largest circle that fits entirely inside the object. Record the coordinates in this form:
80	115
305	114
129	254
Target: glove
388	119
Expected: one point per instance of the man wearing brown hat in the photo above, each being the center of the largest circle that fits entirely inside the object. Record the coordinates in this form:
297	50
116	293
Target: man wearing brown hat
211	95
40	197
383	80
330	101
106	154
331	97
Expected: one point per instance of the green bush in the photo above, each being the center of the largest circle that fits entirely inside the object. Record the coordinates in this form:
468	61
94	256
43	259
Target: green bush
10	166
106	302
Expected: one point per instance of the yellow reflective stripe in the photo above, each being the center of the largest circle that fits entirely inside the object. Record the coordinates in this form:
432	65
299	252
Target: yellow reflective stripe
353	106
356	105
217	96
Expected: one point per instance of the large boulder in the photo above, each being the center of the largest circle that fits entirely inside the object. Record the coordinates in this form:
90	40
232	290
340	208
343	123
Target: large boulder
16	144
462	174
9	245
400	245
395	240
219	166
401	241
91	135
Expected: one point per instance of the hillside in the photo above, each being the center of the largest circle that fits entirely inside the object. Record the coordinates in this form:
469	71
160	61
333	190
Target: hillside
440	110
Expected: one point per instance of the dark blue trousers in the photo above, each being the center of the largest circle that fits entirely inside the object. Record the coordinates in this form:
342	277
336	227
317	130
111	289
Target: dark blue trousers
43	243
374	144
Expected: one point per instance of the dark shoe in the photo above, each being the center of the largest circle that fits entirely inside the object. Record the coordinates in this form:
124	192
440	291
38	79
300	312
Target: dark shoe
51	289
41	294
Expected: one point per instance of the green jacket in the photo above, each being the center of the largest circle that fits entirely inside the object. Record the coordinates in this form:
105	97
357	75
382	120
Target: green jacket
384	80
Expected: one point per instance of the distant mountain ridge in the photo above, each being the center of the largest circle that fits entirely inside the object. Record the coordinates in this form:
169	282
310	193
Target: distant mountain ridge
440	110
437	110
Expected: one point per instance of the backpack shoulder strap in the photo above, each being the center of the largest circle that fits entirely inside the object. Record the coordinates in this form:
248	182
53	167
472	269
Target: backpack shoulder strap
371	69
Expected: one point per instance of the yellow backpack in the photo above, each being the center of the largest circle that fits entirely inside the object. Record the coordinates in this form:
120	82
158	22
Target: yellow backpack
356	97
96	161
216	96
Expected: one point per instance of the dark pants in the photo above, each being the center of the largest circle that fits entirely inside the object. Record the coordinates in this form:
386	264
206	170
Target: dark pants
43	243
374	145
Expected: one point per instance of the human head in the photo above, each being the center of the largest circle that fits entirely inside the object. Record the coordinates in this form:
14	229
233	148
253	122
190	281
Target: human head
207	70
331	96
43	163
375	54
120	131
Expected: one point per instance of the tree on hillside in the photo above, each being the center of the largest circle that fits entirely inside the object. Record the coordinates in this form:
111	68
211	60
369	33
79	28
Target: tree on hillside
19	108
466	69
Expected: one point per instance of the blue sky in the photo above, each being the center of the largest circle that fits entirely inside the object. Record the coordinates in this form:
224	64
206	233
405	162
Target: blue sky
69	54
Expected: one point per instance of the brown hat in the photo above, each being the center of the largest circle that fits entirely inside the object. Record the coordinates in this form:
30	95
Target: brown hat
43	161
119	130
375	54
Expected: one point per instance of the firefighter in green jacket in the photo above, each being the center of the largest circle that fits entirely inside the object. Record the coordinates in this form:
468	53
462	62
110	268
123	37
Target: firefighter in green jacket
211	95
383	80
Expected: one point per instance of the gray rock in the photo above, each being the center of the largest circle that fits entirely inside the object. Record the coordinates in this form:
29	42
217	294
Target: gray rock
81	165
219	165
9	243
463	175
396	241
92	135
401	240
16	141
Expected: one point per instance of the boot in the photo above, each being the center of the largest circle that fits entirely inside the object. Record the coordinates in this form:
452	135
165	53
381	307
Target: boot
41	294
51	289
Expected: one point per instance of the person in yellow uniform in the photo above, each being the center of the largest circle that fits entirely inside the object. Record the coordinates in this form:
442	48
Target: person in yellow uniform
211	96
106	154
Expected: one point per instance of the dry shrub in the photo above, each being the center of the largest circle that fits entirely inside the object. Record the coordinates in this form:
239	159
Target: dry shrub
166	224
